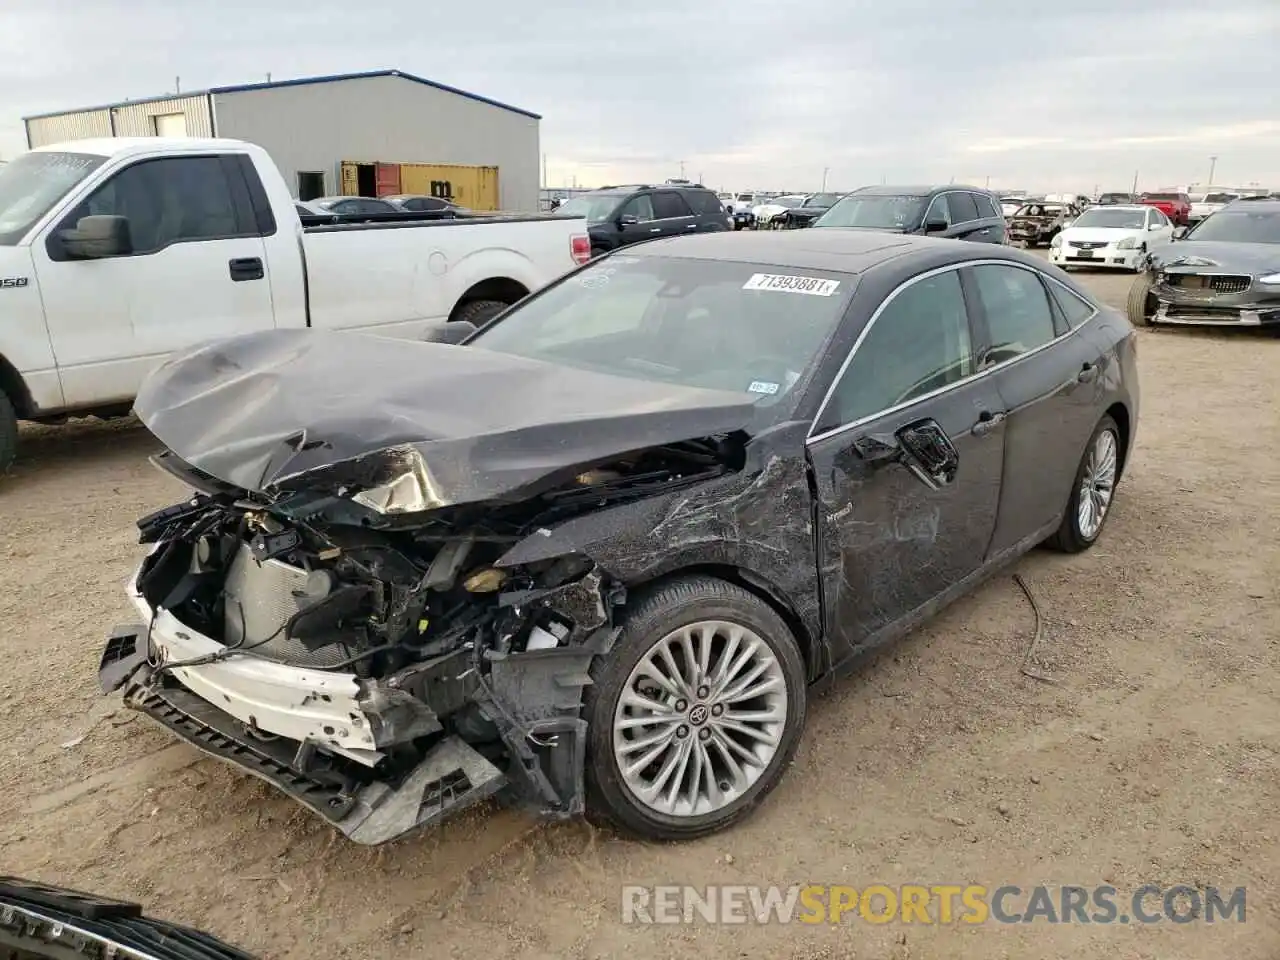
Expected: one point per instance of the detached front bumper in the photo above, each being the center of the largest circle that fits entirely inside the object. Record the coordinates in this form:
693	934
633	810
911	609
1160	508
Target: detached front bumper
325	737
1205	306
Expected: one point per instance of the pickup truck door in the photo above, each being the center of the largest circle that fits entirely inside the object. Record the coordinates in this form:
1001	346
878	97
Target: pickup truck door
196	272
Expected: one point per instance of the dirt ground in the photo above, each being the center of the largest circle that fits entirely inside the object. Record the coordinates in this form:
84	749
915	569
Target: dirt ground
1152	758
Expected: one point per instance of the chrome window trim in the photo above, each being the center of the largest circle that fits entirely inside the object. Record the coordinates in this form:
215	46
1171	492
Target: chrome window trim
813	438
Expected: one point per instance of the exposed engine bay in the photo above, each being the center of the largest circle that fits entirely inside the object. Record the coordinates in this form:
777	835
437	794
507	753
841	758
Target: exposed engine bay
385	667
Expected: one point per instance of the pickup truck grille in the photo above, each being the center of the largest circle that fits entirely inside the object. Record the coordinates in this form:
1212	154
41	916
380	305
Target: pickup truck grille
1218	283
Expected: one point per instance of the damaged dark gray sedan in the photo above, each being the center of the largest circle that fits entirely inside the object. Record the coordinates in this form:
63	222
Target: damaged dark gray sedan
594	558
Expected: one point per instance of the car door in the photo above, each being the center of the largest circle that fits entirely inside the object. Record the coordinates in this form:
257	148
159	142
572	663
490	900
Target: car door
990	228
672	215
1049	379
196	272
1159	228
890	543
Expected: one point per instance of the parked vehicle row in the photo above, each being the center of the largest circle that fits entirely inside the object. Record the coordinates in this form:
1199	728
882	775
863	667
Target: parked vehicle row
116	252
1116	237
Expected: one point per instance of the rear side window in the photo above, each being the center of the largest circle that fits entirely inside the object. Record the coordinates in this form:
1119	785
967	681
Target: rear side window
667	204
918	343
703	202
424	204
1074	308
963	209
1017	311
986	206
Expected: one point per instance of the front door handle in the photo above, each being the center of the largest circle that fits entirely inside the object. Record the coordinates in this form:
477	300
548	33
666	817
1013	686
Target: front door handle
656	230
246	268
692	226
1088	373
987	421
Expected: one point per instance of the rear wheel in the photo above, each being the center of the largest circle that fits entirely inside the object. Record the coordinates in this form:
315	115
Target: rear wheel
695	713
8	433
1092	492
480	312
1142	303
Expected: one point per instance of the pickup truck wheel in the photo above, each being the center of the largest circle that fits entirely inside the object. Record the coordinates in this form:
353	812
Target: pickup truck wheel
696	712
1142	303
8	433
480	312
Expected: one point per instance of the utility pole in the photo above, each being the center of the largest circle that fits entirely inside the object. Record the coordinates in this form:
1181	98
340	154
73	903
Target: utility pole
825	171
1134	191
177	84
988	182
268	76
1213	162
681	169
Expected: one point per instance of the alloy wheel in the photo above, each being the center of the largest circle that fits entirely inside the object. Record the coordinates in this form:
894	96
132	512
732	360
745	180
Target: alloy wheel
699	719
1097	484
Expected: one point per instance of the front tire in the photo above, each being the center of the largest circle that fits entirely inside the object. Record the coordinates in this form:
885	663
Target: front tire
1141	305
1092	492
8	433
480	312
695	714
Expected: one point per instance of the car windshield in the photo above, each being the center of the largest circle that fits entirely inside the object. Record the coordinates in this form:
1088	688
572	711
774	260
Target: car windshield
595	207
1159	196
1239	226
874	212
1219	197
789	202
1116	219
821	200
733	326
31	184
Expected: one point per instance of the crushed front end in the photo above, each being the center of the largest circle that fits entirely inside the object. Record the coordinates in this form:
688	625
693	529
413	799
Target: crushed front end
379	665
1190	293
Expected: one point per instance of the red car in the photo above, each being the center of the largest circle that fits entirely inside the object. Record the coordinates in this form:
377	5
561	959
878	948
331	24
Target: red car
1175	206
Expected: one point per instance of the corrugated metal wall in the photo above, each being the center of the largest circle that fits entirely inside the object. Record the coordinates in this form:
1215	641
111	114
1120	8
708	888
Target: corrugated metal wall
131	120
315	127
134	119
42	131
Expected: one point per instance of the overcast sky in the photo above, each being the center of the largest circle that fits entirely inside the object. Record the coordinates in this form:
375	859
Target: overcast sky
1068	95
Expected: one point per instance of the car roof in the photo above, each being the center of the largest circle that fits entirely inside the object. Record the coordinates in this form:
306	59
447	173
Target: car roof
1261	204
1135	207
835	249
891	190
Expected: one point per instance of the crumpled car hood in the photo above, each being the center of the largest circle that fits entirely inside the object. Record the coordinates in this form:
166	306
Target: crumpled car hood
408	426
1188	255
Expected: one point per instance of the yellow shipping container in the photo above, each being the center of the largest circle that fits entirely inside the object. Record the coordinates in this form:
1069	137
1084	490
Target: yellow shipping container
472	187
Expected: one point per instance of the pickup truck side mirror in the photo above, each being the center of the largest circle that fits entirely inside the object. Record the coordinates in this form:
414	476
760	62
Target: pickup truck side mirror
628	219
936	226
96	237
448	331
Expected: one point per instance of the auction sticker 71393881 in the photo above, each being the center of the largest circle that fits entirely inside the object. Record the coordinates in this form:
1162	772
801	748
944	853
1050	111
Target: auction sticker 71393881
782	283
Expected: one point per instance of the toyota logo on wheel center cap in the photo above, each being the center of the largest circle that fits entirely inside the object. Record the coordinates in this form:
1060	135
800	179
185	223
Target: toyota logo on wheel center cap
698	715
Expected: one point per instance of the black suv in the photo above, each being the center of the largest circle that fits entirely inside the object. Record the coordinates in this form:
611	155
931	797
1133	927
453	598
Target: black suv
951	212
617	216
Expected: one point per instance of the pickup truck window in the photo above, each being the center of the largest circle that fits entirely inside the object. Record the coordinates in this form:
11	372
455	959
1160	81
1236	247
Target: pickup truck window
168	201
33	183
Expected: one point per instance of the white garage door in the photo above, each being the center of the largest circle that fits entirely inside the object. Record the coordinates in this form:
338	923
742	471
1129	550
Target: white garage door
171	124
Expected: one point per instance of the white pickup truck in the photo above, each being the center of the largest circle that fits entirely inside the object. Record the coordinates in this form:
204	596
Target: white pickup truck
115	252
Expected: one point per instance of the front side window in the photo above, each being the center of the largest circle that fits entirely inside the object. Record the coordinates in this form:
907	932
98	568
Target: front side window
1017	309
724	325
963	209
640	207
873	212
173	200
918	343
940	210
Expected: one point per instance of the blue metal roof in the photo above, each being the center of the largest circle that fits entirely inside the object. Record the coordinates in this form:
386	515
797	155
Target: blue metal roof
301	81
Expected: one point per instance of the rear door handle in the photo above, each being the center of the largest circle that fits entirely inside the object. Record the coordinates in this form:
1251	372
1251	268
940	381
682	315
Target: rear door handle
987	421
656	230
1088	373
246	268
692	226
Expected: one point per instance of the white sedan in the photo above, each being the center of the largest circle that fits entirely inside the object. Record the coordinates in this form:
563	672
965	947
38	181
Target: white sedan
766	211
1110	236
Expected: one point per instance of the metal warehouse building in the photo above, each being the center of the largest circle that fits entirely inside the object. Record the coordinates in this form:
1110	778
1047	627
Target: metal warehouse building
367	134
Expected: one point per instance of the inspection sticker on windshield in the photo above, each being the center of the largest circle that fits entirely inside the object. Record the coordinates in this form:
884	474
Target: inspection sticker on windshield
813	286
